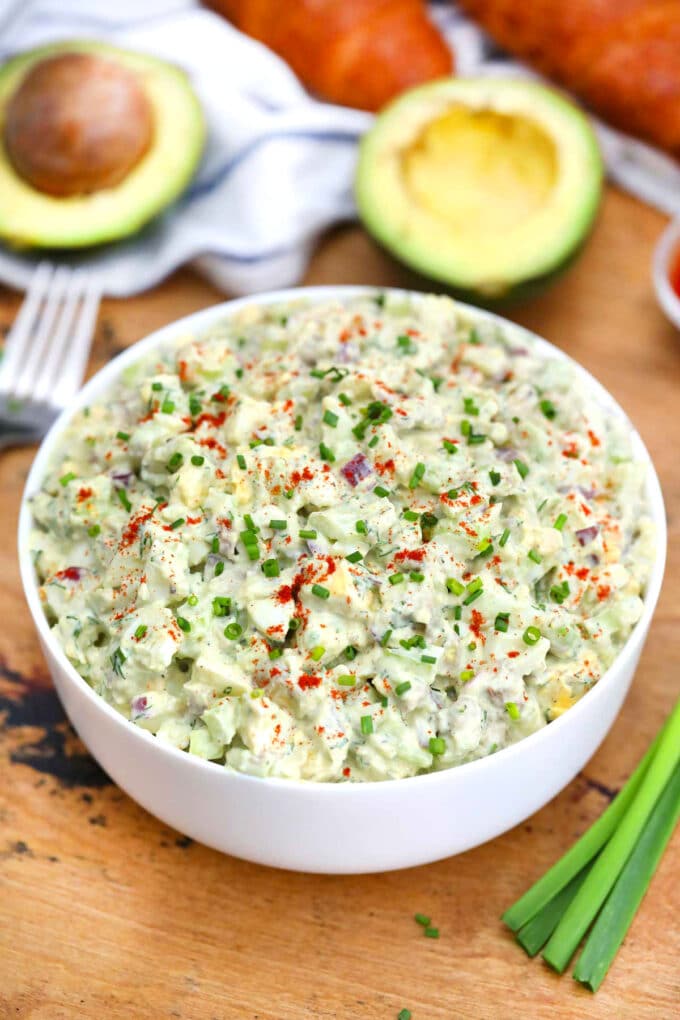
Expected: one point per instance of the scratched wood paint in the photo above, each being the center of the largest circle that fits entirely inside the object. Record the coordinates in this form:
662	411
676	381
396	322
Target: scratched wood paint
107	913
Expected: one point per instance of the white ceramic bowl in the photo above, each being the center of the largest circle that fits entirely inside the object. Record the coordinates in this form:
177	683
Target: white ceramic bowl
343	828
667	247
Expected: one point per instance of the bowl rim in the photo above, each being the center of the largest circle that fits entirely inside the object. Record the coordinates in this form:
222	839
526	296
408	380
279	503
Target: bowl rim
196	321
667	246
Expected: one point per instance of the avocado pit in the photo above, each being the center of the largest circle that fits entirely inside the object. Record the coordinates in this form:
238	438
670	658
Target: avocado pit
78	123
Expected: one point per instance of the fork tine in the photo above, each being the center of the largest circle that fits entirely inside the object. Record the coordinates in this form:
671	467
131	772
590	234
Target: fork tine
75	362
39	342
46	388
18	338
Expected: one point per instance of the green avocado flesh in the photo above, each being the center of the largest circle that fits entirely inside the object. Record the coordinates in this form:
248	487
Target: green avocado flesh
30	218
485	185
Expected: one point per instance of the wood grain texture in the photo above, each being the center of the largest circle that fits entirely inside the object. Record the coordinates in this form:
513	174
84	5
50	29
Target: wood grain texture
106	913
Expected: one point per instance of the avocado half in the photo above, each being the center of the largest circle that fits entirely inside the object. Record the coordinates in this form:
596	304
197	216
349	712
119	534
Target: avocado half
34	218
486	185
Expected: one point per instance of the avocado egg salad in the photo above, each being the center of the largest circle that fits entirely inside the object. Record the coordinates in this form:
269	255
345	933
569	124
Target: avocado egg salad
345	540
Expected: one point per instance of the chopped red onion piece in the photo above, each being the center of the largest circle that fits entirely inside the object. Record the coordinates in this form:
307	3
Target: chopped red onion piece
356	469
587	535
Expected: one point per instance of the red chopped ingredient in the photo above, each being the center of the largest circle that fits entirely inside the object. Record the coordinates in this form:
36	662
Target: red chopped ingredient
308	680
586	510
411	554
69	574
330	564
513	655
385	467
346	771
582	573
474	500
224	522
594	441
84	494
183	371
603	592
131	532
301	476
570	450
356	469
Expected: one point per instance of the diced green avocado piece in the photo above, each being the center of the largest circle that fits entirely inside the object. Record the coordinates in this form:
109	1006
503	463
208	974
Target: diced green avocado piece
486	185
33	217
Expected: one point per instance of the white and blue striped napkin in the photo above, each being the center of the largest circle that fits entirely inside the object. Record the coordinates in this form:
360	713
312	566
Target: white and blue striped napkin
279	164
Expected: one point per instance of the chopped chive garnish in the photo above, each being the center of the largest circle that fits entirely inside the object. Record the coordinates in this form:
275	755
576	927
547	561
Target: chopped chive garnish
197	460
123	497
94	530
329	418
474	585
531	636
320	591
422	919
223	391
457	614
449	446
473	596
192	600
384	640
344	399
504	537
175	462
495	477
437	745
512	710
289	493
404	1014
366	724
233	631
428	659
410	515
178	523
275	653
534	555
277	525
400	689
167	407
361	528
466	675
271	568
347	680
560	521
404	342
350	653
141	631
308	533
156	387
183	624
194	405
317	652
215	544
559	592
501	622
124	436
396	578
417	476
326	453
465	427
417	576
454	586
469	406
221	605
374	441
250	523
65	479
355	557
219	568
522	468
118	657
548	408
298	423
241	461
381	491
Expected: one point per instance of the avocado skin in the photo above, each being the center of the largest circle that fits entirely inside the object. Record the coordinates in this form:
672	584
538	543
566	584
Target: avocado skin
379	222
33	219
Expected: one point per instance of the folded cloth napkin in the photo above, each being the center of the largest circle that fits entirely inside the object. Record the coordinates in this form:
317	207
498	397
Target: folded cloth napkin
279	164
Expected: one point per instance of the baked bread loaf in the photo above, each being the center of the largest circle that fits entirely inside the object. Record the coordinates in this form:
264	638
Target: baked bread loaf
353	52
621	57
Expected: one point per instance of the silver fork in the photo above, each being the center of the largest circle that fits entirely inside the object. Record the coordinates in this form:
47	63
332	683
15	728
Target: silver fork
46	351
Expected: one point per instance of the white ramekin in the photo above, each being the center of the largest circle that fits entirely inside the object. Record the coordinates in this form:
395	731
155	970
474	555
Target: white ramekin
343	828
667	247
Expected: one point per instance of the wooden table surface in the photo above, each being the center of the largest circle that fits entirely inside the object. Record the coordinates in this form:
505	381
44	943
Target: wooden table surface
107	913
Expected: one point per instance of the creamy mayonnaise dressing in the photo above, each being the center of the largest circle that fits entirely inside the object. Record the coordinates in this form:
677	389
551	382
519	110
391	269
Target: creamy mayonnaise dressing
357	540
